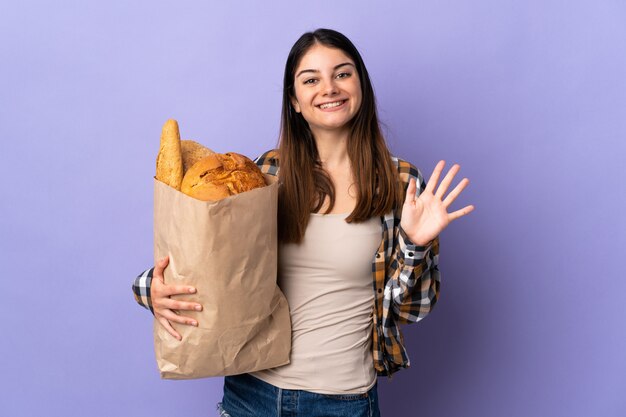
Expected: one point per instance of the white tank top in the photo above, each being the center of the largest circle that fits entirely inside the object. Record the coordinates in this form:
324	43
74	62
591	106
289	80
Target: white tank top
327	281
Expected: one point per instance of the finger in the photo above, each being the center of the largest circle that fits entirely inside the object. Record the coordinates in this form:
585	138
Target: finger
161	298
410	192
447	180
180	305
166	324
460	213
434	177
455	192
177	318
160	267
177	289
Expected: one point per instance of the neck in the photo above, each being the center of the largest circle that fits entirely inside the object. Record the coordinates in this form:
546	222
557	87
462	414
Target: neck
332	148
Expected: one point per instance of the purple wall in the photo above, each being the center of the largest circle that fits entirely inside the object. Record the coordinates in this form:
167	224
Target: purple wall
529	97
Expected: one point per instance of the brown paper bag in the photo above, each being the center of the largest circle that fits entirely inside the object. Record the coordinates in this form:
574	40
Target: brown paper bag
227	250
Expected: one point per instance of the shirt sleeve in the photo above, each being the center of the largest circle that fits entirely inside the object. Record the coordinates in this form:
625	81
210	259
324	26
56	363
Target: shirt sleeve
268	162
141	289
414	277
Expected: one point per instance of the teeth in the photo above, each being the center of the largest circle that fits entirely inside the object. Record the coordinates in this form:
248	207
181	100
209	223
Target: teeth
329	105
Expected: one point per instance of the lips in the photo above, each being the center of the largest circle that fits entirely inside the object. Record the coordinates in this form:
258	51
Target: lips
331	105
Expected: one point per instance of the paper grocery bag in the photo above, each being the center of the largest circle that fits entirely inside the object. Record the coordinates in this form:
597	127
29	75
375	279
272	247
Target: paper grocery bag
227	250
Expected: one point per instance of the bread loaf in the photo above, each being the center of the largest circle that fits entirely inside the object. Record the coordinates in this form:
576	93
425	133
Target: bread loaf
192	152
169	163
221	175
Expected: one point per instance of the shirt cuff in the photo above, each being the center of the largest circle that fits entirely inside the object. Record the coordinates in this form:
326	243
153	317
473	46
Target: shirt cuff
141	289
410	253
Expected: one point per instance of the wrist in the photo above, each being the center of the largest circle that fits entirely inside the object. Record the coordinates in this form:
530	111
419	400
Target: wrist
416	240
421	242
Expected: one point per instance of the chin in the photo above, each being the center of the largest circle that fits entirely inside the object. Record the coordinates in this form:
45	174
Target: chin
338	125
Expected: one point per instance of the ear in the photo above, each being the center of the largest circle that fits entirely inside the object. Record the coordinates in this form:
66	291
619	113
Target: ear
295	105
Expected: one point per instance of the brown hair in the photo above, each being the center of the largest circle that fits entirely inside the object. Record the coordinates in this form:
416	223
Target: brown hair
304	183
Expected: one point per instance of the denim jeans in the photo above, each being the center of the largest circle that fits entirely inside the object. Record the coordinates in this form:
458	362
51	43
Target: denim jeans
247	396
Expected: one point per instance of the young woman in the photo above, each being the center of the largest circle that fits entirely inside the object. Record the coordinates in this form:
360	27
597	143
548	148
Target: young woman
358	243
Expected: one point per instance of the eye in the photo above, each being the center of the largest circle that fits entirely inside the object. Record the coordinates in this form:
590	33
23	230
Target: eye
344	74
309	81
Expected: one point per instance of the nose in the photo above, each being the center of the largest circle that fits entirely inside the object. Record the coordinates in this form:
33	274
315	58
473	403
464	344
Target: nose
329	87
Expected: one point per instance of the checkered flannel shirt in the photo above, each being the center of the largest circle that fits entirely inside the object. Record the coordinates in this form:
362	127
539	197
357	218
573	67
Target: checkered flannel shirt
406	278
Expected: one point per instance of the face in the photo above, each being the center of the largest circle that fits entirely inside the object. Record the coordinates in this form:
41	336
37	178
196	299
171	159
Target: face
327	89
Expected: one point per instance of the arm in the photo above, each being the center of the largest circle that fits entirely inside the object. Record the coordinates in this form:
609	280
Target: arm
152	293
413	273
415	279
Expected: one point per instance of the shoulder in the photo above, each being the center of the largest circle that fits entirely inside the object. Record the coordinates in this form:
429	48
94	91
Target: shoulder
406	171
268	162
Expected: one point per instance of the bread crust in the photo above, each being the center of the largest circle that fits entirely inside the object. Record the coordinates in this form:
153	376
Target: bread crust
219	176
192	152
169	163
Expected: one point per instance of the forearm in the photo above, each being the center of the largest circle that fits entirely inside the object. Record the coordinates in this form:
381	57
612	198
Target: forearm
414	279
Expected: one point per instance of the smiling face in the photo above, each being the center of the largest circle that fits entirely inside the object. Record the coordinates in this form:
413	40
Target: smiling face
327	89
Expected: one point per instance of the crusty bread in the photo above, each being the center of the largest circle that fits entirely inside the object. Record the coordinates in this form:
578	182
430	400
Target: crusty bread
221	175
169	163
193	152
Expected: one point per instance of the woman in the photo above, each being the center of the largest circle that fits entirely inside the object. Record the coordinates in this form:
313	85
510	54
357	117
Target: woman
358	247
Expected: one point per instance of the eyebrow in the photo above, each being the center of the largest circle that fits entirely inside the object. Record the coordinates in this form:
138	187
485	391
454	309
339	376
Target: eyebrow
315	71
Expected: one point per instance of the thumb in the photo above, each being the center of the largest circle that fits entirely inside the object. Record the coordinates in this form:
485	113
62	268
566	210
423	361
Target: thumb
160	267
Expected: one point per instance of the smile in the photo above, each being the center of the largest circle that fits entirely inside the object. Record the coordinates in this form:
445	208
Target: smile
331	105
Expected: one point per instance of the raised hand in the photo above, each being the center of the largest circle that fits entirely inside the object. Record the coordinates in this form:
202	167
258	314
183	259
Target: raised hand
166	308
424	218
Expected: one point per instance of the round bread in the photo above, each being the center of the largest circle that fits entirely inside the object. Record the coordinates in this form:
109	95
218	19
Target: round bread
219	176
192	152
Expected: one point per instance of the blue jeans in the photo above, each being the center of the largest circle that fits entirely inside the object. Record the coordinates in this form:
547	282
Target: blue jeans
247	396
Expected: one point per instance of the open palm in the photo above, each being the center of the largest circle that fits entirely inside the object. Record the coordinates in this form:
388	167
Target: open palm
424	217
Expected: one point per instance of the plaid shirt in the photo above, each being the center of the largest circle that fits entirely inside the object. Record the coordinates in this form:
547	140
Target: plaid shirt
405	278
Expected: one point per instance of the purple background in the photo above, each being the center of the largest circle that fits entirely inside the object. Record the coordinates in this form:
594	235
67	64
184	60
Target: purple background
529	96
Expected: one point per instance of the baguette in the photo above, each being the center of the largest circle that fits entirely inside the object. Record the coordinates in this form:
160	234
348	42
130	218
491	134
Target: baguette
169	163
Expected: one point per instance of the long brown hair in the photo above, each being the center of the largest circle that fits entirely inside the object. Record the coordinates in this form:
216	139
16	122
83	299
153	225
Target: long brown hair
304	183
